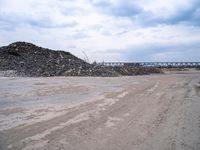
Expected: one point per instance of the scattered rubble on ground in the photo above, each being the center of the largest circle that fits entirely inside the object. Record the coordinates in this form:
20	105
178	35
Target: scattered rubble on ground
130	70
9	73
27	59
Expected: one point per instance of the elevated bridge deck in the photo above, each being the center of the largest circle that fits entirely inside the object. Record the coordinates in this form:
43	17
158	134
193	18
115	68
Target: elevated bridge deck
155	64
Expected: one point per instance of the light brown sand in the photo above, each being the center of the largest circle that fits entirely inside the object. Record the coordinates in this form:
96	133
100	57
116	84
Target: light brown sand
156	112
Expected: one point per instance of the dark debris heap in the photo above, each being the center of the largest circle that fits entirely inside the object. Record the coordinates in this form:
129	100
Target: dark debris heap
30	60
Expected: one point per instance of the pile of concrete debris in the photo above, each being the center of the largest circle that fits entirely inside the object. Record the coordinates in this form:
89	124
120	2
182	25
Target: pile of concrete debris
127	70
26	59
30	60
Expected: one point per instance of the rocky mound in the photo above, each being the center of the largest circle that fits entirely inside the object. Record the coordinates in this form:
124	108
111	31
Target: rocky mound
30	60
127	70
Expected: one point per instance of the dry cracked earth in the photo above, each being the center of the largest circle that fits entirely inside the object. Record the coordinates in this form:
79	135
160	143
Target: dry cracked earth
154	112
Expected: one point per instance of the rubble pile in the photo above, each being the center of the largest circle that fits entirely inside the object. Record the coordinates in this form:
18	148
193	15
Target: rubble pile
26	59
133	70
33	61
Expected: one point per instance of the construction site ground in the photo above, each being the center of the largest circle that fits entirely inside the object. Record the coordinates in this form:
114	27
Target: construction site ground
151	112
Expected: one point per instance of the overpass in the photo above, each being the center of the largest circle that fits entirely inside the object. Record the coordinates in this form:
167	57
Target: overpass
154	64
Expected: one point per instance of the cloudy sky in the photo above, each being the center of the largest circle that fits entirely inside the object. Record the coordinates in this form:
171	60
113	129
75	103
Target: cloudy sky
106	30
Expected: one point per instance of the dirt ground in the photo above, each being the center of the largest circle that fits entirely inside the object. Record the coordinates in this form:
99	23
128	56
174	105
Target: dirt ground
154	112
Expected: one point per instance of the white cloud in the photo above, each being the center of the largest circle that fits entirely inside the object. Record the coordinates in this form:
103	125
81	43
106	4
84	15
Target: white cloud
124	28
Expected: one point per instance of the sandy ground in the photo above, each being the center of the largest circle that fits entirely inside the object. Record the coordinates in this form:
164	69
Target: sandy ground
156	112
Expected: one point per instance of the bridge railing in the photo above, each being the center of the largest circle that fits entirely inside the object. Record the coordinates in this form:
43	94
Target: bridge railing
155	64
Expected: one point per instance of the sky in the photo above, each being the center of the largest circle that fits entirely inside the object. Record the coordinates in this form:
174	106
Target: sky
106	30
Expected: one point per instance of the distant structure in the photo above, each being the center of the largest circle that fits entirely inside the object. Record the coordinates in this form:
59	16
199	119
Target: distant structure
111	63
154	64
